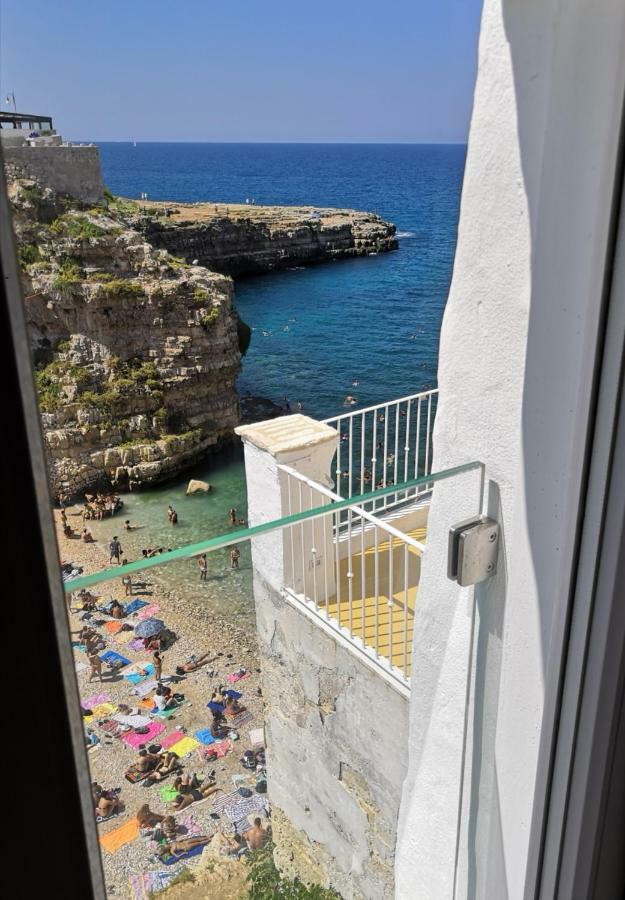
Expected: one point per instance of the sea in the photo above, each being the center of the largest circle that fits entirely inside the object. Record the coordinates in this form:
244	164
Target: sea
374	319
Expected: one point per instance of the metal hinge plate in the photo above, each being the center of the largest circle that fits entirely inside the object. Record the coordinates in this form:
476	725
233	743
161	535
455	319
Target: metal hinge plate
473	550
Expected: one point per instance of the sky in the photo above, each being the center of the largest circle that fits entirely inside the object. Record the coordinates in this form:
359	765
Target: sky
243	70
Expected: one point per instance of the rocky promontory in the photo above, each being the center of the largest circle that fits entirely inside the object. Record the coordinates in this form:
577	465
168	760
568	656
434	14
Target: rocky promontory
246	239
130	309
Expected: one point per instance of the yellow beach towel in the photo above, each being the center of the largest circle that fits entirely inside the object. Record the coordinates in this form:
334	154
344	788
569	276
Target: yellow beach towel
186	745
104	709
120	836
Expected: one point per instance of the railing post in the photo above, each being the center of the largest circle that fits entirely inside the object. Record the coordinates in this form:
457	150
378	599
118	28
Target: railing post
308	447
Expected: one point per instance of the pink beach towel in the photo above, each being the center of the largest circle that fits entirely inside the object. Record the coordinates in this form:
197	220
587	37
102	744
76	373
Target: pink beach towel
135	740
148	611
236	677
172	738
215	751
96	700
136	644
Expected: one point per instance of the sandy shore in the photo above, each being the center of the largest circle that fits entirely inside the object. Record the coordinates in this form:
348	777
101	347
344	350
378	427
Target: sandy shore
198	632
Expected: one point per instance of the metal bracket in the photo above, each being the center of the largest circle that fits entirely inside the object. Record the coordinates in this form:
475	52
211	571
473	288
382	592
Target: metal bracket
473	550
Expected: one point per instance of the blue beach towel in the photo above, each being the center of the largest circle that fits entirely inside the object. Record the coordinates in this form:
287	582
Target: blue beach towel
234	694
174	859
134	605
114	659
215	707
204	736
137	679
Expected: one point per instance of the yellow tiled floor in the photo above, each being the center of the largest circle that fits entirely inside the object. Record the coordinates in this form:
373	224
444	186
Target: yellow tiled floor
365	614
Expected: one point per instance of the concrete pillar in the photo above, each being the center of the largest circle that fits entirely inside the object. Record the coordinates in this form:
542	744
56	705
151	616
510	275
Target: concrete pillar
282	558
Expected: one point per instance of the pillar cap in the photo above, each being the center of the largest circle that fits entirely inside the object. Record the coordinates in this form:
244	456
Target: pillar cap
287	433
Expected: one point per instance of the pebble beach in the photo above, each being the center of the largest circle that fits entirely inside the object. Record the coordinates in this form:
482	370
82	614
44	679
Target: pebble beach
132	870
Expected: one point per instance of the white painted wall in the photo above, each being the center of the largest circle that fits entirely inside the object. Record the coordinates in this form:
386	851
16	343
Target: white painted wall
516	359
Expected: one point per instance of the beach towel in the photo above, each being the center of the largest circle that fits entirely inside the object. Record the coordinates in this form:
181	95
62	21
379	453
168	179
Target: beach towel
234	694
142	886
172	738
215	751
136	644
134	606
142	689
147	704
244	806
115	660
124	637
133	775
189	826
257	737
240	719
136	740
78	646
168	793
149	613
90	702
87	720
113	627
104	709
204	736
172	860
113	729
225	800
137	679
236	677
184	746
215	707
166	713
132	721
120	836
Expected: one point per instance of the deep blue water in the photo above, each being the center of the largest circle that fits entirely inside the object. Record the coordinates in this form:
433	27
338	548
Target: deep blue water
375	318
346	319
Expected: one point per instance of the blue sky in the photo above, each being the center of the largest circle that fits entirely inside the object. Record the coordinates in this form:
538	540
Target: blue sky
243	70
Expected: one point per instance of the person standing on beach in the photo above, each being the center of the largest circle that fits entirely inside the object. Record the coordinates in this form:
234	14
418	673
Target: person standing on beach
96	666
234	558
157	659
116	550
203	566
127	582
232	515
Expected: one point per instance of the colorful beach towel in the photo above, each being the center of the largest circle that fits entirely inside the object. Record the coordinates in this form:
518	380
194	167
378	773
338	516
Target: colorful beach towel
141	887
241	719
190	827
236	677
174	859
136	644
149	612
136	678
113	627
90	702
242	807
224	800
215	751
135	740
115	660
204	736
166	713
102	710
119	837
172	738
168	793
184	746
134	606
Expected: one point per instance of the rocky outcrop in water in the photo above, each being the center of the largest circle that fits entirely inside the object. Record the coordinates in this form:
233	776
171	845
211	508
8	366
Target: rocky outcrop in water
136	353
248	240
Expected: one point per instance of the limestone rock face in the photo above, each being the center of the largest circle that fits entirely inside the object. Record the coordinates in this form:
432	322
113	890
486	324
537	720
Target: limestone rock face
136	353
196	485
246	240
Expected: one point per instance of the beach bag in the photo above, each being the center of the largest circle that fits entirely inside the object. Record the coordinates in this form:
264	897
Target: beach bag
248	760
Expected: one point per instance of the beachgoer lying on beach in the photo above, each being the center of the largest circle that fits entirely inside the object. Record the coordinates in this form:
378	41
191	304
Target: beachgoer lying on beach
195	663
148	819
167	763
256	836
179	848
188	795
232	707
146	761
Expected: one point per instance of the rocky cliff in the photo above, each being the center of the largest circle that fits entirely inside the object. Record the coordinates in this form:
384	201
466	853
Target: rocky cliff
136	352
247	239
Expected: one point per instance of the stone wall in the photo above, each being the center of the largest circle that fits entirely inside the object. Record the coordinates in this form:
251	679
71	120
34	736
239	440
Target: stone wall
337	740
70	170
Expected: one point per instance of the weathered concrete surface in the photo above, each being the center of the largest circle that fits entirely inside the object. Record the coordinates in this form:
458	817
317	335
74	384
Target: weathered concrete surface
71	170
337	738
247	240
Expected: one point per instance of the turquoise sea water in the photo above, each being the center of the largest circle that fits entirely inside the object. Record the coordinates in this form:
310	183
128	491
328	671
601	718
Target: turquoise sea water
376	319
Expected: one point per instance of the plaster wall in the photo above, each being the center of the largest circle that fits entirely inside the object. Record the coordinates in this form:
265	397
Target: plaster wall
67	169
515	376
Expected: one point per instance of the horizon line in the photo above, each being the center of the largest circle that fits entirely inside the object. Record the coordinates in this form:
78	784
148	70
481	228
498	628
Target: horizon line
284	143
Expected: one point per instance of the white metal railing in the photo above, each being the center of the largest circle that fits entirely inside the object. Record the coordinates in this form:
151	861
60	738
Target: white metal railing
359	580
384	444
